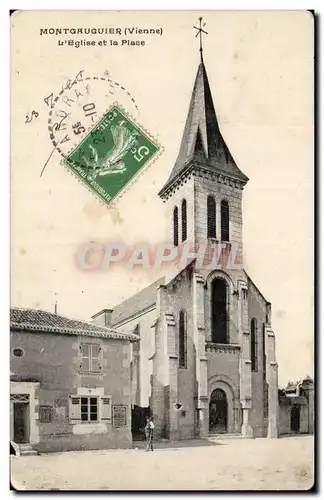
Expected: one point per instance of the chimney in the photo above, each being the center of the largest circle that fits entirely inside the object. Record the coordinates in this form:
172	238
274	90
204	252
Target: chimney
103	317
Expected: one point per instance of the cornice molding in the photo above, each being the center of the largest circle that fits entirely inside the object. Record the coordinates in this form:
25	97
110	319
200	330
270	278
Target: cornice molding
203	171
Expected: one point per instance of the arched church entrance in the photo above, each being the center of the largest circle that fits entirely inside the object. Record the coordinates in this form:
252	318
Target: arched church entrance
295	419
218	412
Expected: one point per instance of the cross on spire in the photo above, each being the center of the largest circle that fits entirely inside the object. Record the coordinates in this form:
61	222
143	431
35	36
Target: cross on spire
200	30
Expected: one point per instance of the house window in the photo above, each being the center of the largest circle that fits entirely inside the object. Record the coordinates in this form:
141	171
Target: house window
211	217
184	219
219	311
18	352
85	409
45	414
224	220
175	227
89	409
254	345
90	358
183	339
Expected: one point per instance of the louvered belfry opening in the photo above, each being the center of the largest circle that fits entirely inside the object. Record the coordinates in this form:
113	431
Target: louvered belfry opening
175	226
219	311
211	217
224	220
184	219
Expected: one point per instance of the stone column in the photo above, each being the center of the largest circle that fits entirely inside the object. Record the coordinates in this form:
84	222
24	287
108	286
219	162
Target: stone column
272	381
160	366
237	417
245	359
199	340
173	362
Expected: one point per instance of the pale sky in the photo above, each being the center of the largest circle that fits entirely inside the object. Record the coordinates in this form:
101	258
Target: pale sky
260	70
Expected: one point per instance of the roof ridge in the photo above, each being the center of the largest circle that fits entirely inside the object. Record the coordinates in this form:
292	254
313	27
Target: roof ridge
89	329
62	316
139	291
74	331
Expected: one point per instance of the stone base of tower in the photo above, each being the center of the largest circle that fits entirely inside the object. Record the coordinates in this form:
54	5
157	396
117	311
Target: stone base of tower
202	419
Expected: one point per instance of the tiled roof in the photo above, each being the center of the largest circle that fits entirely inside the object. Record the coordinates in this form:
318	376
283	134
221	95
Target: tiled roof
138	302
291	387
36	320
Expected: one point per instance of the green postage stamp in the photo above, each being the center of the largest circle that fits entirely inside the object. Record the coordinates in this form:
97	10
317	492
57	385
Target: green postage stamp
112	154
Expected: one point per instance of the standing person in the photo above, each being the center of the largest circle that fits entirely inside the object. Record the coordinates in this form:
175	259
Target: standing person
149	434
152	432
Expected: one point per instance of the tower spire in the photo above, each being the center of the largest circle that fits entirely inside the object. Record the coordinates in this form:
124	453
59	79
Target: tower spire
200	31
202	142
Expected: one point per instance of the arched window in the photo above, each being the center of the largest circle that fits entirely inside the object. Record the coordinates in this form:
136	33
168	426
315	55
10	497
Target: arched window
184	219
254	345
182	339
175	227
224	221
219	311
211	217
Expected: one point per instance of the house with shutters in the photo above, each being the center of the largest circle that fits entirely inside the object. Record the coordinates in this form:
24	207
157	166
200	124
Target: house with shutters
69	383
206	361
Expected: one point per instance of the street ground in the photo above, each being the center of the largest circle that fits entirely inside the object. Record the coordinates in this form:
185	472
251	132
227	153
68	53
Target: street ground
226	464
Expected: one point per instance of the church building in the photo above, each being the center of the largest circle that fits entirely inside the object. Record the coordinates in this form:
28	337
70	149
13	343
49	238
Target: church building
205	363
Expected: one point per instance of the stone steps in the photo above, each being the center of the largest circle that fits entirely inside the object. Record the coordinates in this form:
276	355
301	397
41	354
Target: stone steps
23	449
26	449
217	437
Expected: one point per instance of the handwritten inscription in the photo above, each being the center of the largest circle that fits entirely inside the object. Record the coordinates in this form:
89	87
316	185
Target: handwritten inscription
30	116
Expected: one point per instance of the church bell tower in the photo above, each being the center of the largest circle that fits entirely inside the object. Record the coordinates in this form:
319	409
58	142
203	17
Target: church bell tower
203	197
203	193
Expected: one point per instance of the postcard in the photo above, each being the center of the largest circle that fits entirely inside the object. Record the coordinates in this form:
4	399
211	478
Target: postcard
162	199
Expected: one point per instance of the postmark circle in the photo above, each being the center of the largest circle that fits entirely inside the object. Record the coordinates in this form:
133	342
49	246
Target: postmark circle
79	106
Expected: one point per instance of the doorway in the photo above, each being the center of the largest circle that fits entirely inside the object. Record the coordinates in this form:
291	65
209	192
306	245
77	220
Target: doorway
295	419
21	422
218	412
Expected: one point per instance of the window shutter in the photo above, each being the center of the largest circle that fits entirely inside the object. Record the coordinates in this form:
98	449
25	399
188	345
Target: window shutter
95	350
85	353
91	356
95	361
74	408
95	365
85	349
106	408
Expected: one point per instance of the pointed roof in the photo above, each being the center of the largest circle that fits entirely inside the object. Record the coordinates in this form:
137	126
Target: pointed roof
202	141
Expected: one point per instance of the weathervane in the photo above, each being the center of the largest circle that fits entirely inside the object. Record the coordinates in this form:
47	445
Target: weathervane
199	32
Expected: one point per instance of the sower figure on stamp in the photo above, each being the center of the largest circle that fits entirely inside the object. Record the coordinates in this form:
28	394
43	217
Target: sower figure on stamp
149	433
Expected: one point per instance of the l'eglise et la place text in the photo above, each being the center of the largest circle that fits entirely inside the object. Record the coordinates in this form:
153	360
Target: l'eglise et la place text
101	43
